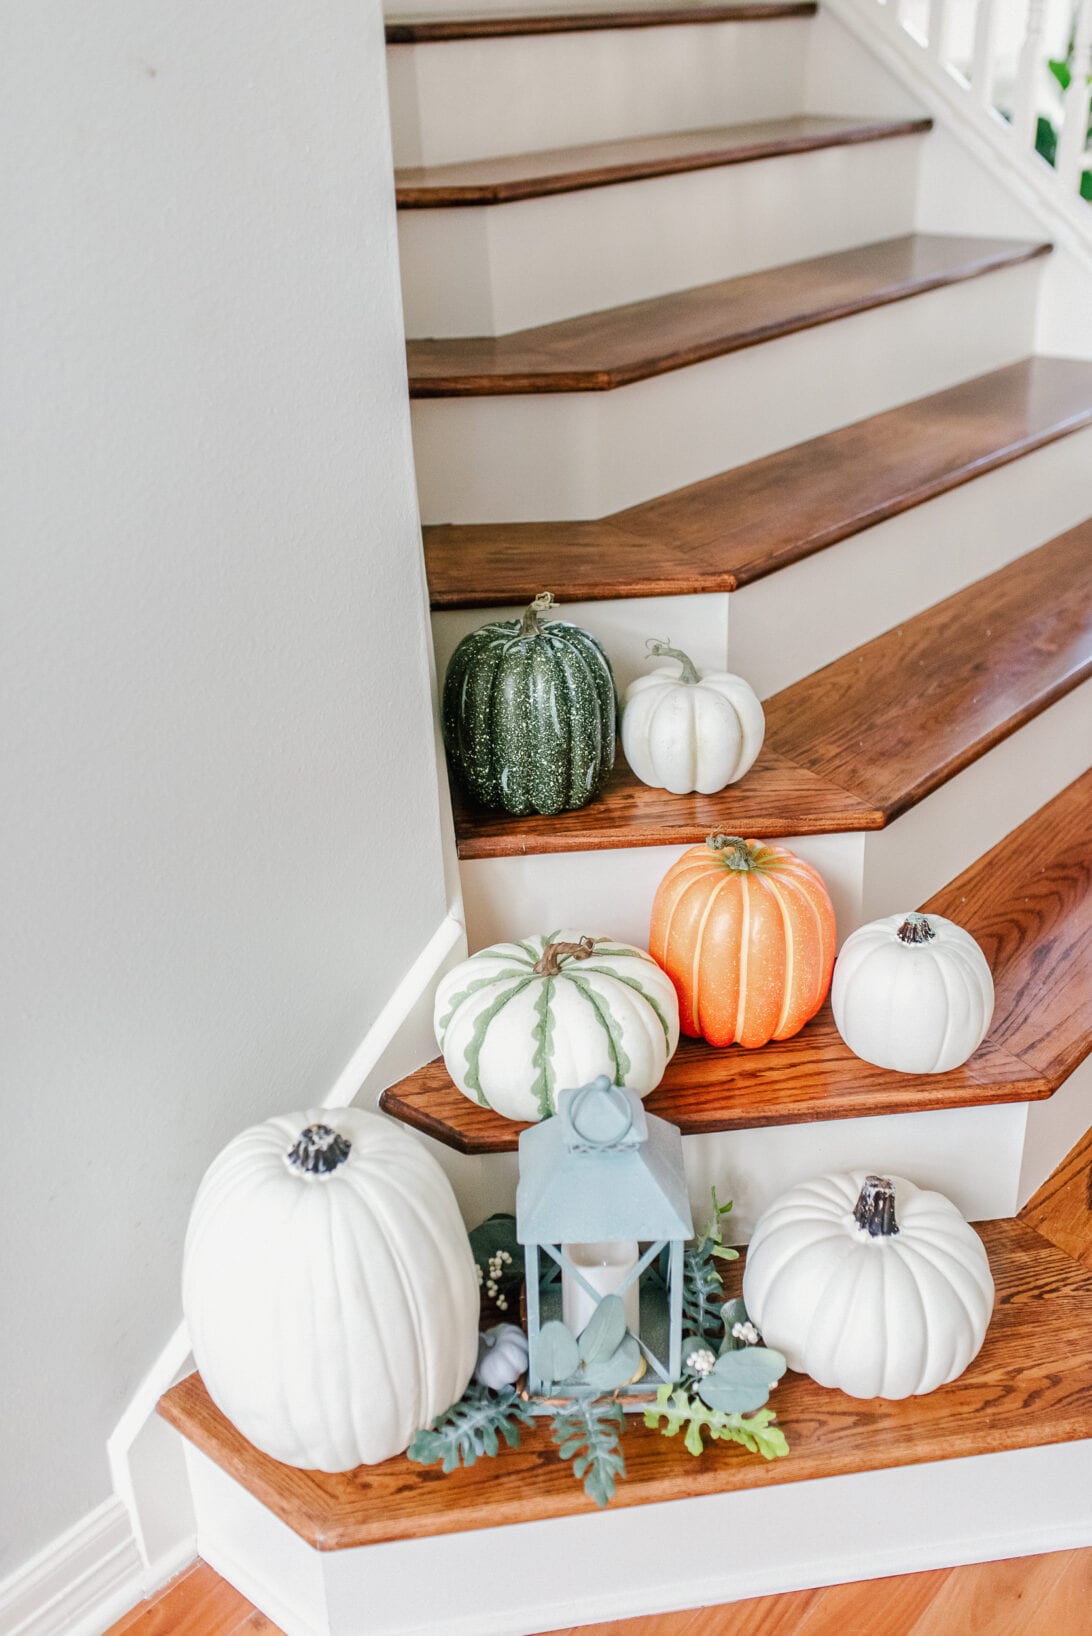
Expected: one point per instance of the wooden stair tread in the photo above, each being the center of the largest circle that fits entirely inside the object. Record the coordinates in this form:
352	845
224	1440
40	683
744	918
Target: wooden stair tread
1028	903
897	717
732	529
508	177
445	26
600	351
1031	1385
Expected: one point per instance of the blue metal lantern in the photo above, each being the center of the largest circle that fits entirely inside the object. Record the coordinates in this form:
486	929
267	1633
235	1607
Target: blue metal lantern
602	1195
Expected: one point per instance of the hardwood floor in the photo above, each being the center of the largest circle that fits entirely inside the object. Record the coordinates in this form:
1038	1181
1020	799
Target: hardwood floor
1030	1596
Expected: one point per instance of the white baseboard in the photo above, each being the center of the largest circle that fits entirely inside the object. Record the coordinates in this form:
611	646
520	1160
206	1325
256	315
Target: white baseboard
80	1583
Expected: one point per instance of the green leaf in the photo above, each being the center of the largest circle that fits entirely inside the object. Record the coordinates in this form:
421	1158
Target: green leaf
588	1433
470	1428
605	1330
1061	71
674	1408
732	1313
557	1355
740	1381
618	1368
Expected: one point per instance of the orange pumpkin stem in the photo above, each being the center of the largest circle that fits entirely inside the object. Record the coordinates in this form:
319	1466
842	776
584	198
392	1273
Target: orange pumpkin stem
733	851
549	961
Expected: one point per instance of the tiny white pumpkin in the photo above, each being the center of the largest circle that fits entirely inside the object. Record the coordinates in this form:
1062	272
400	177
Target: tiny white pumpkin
519	1022
502	1356
690	730
912	992
329	1288
869	1284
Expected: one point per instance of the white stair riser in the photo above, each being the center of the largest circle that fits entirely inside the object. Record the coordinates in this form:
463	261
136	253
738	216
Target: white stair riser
510	266
474	99
784	627
542	1576
569	455
871	873
610	893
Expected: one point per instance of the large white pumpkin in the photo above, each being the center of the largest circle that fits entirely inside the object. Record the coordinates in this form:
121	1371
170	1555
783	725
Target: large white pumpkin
519	1022
686	729
329	1288
869	1284
912	992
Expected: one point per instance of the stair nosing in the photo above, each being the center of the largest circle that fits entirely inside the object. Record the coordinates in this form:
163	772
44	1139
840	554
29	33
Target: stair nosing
468	384
440	30
484	194
619	526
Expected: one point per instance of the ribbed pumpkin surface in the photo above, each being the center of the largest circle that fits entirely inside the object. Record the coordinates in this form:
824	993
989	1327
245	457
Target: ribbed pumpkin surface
529	714
747	938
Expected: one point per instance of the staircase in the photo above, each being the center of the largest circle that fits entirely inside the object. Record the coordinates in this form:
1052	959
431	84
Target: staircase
700	363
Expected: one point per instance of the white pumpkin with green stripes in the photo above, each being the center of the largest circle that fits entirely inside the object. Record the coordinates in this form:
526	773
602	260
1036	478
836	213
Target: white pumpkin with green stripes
519	1022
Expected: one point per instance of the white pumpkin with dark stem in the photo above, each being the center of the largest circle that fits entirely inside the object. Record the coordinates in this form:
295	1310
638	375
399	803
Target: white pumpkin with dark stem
690	729
912	992
869	1284
329	1288
519	1022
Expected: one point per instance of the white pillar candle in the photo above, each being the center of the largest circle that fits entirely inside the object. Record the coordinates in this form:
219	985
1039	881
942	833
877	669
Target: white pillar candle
604	1266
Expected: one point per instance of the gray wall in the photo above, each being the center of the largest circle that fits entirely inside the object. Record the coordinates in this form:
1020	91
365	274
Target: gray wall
222	844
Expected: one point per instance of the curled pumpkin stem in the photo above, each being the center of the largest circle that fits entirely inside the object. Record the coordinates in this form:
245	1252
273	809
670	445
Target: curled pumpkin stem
531	623
734	852
663	650
549	961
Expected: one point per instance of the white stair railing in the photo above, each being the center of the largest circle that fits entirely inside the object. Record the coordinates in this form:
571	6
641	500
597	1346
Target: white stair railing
1005	86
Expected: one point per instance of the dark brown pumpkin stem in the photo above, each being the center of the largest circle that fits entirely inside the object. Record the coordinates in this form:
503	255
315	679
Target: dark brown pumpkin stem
531	624
318	1151
664	650
734	852
915	929
874	1211
549	961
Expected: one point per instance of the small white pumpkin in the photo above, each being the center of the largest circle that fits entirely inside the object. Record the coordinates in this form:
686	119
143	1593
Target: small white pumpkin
912	992
502	1356
692	729
329	1288
519	1022
869	1284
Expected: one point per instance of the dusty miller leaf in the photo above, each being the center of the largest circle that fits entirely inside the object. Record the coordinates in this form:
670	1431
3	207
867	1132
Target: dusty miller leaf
588	1433
471	1428
676	1409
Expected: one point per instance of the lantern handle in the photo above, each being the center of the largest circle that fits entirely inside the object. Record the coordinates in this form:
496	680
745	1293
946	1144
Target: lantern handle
615	1092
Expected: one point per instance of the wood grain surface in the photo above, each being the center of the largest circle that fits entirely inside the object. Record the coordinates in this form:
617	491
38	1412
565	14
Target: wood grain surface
1028	903
777	797
1062	1208
896	718
1030	1385
728	530
509	177
599	351
446	26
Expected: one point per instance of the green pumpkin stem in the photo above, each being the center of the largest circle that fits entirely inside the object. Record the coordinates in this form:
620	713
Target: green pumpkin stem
318	1151
549	961
664	650
734	852
874	1211
915	929
531	624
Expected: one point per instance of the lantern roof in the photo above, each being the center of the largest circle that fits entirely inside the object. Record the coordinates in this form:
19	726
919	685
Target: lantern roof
602	1170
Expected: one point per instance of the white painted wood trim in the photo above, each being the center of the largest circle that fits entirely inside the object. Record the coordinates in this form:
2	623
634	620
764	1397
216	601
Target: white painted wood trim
80	1583
985	135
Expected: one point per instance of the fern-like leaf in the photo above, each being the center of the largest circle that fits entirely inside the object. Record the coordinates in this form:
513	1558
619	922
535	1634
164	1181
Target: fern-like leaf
471	1428
588	1432
675	1408
703	1285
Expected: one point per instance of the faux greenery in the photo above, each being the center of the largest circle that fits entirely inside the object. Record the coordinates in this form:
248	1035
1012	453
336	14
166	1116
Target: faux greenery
499	1260
703	1284
1046	134
604	1357
675	1408
472	1427
588	1432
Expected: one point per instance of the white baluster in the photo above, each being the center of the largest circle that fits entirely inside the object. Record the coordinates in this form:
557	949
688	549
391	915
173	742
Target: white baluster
982	61
1071	144
937	12
1029	75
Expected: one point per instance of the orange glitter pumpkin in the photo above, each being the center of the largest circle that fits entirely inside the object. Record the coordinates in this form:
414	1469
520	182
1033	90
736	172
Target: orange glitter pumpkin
746	932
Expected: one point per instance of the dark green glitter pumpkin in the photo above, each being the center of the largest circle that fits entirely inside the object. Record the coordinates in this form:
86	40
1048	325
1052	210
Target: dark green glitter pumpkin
529	713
